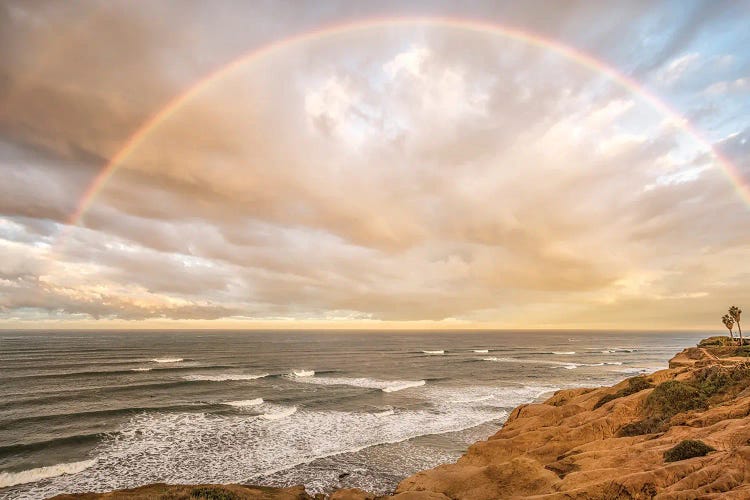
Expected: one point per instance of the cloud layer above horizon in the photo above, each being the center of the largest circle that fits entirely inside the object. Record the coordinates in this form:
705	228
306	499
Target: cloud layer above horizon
398	176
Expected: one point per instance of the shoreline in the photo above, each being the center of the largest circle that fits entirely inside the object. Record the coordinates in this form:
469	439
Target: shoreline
605	442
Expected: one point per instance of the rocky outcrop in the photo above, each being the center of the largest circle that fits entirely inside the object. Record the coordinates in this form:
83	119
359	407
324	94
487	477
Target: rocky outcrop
570	447
603	443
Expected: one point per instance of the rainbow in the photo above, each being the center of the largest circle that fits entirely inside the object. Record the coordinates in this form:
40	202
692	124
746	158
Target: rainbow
528	37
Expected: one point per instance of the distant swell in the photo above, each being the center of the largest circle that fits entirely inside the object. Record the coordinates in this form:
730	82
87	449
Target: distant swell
223	377
166	360
32	475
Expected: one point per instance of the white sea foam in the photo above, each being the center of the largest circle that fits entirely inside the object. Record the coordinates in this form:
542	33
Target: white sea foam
140	369
223	377
400	386
385	413
166	360
481	351
233	447
302	373
368	383
478	399
279	414
434	352
245	402
32	475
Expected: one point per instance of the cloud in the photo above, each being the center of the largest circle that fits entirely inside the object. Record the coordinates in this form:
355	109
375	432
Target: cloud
399	174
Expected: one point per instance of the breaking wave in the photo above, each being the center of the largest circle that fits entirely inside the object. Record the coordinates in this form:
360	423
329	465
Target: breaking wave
433	352
33	475
167	360
245	402
223	377
279	414
368	383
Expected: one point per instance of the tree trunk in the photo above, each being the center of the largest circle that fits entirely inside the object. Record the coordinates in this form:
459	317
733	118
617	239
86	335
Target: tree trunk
739	329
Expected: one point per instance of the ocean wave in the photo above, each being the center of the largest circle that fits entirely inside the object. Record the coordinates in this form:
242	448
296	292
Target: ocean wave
478	399
481	351
140	369
245	402
400	386
200	447
368	383
223	377
433	352
279	414
563	352
167	360
559	364
614	350
302	373
33	475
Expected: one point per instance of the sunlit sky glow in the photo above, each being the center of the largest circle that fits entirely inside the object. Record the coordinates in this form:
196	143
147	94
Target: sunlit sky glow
407	175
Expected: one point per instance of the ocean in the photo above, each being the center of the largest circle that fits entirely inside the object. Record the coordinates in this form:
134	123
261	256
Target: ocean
94	411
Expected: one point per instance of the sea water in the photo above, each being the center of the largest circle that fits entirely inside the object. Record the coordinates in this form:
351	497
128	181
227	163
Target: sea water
95	411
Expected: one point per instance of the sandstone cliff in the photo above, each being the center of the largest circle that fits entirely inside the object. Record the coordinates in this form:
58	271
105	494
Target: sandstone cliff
679	433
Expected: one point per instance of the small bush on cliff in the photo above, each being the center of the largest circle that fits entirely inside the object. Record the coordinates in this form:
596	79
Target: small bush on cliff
645	426
716	341
687	449
212	493
635	384
664	402
722	380
673	397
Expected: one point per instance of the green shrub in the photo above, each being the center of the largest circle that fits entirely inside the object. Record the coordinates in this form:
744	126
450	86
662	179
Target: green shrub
713	381
687	449
673	397
635	384
665	401
212	493
645	426
716	341
717	379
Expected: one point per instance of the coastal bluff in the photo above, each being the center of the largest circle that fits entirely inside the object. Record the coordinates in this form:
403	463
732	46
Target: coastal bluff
679	433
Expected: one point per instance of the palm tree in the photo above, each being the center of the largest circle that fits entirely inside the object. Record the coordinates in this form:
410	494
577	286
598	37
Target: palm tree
735	312
729	323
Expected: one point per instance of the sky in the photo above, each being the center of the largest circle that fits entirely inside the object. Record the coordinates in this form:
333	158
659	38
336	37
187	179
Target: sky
374	164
